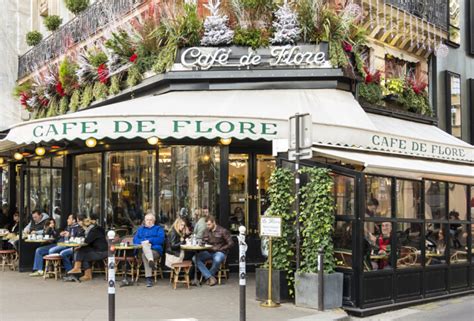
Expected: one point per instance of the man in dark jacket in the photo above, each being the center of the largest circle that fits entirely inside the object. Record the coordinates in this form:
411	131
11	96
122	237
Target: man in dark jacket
37	223
95	248
221	242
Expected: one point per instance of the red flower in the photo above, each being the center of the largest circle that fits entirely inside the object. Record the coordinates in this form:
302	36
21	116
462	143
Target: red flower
23	98
103	73
133	57
44	101
418	86
346	46
372	77
60	89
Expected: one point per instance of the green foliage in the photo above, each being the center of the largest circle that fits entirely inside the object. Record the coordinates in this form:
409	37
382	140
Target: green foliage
33	38
134	76
41	113
114	88
372	93
52	22
76	6
308	12
190	27
281	202
394	86
121	44
21	88
97	58
100	90
87	96
253	13
53	107
63	105
67	75
337	54
75	100
317	219
252	37
418	103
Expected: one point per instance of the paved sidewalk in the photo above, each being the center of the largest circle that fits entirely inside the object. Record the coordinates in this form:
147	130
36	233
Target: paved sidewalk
31	299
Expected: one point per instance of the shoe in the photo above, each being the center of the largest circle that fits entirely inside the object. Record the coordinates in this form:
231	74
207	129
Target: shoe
152	265
212	281
36	273
149	282
76	269
87	275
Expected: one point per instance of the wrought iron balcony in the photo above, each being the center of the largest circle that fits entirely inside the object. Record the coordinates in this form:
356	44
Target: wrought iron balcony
433	11
81	28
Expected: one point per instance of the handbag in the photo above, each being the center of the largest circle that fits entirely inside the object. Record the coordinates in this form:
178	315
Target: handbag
172	259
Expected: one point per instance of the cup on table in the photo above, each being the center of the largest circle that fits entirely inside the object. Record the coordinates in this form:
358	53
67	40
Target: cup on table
46	237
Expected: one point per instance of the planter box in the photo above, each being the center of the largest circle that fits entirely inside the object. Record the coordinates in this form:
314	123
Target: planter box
279	285
306	290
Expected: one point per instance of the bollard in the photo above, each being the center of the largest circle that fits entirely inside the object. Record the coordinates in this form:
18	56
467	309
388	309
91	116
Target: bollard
242	271
111	275
321	279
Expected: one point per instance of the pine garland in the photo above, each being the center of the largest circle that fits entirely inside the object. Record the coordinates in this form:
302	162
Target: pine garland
100	91
134	76
87	96
63	105
75	101
114	88
52	108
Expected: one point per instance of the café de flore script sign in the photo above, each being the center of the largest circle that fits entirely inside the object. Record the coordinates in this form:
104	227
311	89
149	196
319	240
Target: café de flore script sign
304	56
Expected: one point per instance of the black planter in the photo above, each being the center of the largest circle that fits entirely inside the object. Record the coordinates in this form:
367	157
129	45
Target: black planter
280	291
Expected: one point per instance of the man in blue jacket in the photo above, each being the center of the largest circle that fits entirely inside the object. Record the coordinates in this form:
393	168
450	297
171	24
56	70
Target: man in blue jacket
152	238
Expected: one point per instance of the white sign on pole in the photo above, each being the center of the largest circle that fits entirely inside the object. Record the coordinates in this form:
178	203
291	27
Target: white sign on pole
270	226
305	137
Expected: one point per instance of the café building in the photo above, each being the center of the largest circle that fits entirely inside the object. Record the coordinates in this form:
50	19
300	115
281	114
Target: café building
208	134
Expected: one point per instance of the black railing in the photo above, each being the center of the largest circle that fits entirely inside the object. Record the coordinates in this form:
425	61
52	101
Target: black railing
433	11
89	22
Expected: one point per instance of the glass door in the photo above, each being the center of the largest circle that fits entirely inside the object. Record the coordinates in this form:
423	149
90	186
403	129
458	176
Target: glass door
266	164
239	191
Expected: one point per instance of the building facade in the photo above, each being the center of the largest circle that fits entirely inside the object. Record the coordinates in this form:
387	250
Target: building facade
152	119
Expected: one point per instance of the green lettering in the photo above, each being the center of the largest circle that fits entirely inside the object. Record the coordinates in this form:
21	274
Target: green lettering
220	124
177	125
375	140
118	127
198	127
266	127
250	128
52	129
66	128
35	133
142	126
86	126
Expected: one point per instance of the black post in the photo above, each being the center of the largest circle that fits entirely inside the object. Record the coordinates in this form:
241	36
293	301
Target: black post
111	275
242	272
321	279
297	189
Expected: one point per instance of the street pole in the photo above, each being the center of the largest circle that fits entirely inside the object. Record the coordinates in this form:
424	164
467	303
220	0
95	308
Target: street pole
242	271
321	279
111	275
297	189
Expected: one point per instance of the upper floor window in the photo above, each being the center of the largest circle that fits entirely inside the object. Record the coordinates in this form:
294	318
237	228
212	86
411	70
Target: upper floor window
453	104
454	34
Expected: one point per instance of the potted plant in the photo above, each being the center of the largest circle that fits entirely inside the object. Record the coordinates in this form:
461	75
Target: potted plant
393	89
281	199
414	97
370	90
317	219
76	6
33	38
52	22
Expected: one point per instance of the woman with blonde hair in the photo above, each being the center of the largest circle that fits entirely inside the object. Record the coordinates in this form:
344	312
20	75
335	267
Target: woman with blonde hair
176	237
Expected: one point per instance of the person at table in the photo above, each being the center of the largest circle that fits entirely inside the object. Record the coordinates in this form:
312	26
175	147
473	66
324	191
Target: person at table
74	229
151	237
36	225
177	237
382	244
200	225
14	227
95	248
221	241
51	234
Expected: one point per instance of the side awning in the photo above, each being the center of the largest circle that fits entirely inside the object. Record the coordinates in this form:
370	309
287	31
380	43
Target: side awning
401	167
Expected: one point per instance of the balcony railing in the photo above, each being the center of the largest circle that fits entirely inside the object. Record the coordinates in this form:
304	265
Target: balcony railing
89	22
433	11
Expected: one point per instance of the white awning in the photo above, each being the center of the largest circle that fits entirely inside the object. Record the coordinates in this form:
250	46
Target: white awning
402	167
241	114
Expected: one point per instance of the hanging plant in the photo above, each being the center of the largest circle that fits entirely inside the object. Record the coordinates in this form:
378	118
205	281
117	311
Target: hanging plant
52	108
52	22
134	76
76	6
115	87
75	100
33	38
317	220
100	90
281	204
87	96
63	105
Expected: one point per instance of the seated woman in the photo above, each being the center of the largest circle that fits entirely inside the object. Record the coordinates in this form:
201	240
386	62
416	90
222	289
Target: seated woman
95	248
177	237
51	233
382	245
151	237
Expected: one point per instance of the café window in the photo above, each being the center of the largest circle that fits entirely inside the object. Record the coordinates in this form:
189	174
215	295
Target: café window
377	245
435	200
188	181
458	249
435	243
409	237
130	187
471	27
457	200
454	32
4	201
343	244
87	184
453	104
378	197
408	197
344	195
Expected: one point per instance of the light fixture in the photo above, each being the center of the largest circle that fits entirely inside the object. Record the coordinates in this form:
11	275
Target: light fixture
226	141
2	160
18	156
40	151
153	140
91	142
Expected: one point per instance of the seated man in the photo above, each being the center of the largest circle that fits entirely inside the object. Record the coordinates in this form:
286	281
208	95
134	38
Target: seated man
50	231
36	225
221	242
95	248
152	238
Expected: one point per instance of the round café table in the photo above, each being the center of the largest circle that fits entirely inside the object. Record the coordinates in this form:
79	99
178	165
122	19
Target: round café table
125	248
197	249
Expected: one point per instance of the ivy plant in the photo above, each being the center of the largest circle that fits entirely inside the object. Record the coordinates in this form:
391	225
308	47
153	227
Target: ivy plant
317	220
281	197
